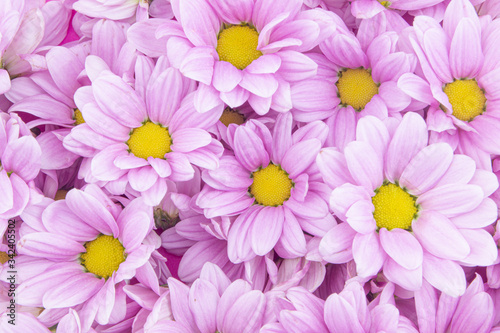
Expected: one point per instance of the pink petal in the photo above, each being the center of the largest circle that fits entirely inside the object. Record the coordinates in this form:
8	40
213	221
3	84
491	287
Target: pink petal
226	76
179	298
484	215
4	81
262	85
402	247
203	301
201	24
408	279
292	238
300	156
135	222
266	64
337	243
189	139
164	96
92	211
341	316
410	137
368	254
360	217
439	236
452	200
52	246
444	275
247	312
249	149
198	64
23	156
270	219
102	165
66	295
365	165
313	95
426	168
232	12
296	66
466	55
483	250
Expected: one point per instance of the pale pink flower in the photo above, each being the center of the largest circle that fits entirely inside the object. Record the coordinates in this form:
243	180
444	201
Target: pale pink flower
357	76
243	51
146	135
411	209
74	247
270	184
459	61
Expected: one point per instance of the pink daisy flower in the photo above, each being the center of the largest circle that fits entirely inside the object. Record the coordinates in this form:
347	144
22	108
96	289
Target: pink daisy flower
144	136
460	63
267	182
357	76
245	50
411	209
20	157
85	240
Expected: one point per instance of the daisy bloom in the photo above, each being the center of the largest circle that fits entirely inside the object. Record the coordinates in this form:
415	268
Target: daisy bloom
146	135
89	241
410	209
355	78
244	50
460	64
268	184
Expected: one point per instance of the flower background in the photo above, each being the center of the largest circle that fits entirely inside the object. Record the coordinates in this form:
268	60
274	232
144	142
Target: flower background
249	166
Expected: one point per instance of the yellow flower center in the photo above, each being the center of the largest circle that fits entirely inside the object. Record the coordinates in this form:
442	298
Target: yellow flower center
394	207
150	140
78	117
466	99
104	255
386	4
271	186
231	116
237	45
356	88
4	257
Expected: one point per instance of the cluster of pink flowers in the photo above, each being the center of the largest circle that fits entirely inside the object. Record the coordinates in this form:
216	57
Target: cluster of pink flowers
228	166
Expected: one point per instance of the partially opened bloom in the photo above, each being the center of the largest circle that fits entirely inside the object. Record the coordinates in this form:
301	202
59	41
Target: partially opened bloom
411	209
87	241
212	304
460	64
244	50
146	135
473	312
19	164
267	182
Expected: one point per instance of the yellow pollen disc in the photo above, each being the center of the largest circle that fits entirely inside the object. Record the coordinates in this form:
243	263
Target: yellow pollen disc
4	257
271	186
386	4
238	45
231	116
78	117
356	88
104	255
394	207
466	99
150	140
60	195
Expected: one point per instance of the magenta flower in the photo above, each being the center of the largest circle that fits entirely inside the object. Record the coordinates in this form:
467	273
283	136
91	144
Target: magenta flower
90	241
461	70
244	51
268	184
144	136
411	209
